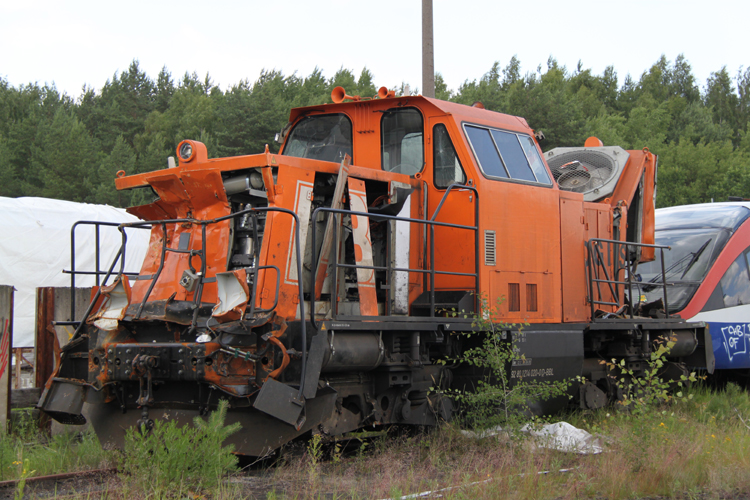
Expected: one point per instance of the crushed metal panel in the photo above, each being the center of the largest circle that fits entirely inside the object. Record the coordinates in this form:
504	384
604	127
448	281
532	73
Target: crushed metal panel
400	253
325	250
303	208
233	294
115	303
368	299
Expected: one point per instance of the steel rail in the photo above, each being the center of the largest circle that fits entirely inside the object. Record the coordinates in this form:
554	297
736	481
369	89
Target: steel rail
58	477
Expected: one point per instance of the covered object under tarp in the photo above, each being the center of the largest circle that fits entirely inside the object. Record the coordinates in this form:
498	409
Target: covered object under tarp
35	248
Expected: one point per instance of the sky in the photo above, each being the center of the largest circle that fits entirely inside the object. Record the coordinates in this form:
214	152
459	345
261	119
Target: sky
75	42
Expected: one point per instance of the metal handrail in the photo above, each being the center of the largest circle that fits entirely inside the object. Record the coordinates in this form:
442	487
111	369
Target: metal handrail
476	244
595	261
97	272
202	252
120	257
431	223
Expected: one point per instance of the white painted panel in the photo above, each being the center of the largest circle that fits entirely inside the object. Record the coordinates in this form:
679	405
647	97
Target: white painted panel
401	259
737	314
302	206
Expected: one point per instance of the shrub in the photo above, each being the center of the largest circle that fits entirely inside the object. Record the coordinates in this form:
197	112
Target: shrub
495	399
172	458
642	392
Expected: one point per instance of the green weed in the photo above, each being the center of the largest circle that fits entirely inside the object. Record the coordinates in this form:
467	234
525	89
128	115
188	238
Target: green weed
496	399
66	452
172	460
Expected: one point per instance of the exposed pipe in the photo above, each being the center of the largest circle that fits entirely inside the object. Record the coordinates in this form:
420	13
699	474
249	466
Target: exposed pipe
284	362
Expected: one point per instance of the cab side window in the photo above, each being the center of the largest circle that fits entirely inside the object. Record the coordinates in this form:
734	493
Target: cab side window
402	144
503	154
735	284
447	166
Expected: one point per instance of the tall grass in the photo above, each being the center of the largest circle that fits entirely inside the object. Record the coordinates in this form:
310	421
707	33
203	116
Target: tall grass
173	461
698	446
689	448
66	452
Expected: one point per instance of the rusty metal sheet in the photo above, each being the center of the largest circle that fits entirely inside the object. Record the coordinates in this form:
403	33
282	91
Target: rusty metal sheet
325	249
45	340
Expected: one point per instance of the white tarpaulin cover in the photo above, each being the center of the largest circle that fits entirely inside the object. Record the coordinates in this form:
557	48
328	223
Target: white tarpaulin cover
35	248
559	436
562	436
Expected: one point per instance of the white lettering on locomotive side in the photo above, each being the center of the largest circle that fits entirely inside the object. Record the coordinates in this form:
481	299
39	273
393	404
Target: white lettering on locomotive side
522	362
535	372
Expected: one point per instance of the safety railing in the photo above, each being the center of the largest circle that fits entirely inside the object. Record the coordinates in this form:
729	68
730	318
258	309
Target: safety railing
388	268
98	272
606	261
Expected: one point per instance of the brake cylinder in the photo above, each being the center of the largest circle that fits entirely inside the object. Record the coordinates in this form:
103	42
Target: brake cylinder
685	343
353	352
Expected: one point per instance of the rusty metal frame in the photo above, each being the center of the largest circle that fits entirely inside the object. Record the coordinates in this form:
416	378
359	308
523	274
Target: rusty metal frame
18	355
596	267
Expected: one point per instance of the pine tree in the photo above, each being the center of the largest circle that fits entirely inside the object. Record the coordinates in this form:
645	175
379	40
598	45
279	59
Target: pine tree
101	183
721	98
65	158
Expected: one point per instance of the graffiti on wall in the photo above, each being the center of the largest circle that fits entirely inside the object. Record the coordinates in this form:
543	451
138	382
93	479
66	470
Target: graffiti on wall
734	338
4	345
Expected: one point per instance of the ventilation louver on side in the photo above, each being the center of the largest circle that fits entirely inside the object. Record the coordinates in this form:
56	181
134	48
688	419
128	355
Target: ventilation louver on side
591	171
514	297
489	248
532	304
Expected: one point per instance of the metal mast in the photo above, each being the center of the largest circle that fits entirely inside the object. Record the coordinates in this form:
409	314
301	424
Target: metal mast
428	53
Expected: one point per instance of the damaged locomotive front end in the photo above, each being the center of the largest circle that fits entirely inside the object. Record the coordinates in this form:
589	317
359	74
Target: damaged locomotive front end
200	322
221	309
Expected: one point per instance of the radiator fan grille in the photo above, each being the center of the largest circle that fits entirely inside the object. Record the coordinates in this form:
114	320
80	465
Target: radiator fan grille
581	171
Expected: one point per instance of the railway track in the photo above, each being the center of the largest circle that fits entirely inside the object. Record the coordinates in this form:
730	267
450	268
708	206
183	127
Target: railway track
40	484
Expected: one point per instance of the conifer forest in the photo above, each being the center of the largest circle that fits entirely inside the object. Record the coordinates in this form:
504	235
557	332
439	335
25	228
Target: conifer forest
57	146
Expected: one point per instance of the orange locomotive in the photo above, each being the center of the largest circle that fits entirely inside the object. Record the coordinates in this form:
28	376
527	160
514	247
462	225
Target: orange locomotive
310	288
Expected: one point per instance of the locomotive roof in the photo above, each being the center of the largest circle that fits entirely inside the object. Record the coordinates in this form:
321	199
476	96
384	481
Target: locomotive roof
460	112
728	215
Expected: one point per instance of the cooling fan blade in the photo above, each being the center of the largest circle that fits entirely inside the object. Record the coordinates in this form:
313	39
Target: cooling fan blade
575	180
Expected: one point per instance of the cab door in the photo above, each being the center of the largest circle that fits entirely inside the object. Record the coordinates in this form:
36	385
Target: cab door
454	248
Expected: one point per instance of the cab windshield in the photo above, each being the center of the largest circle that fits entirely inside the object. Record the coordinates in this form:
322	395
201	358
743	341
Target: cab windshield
696	234
693	252
321	137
